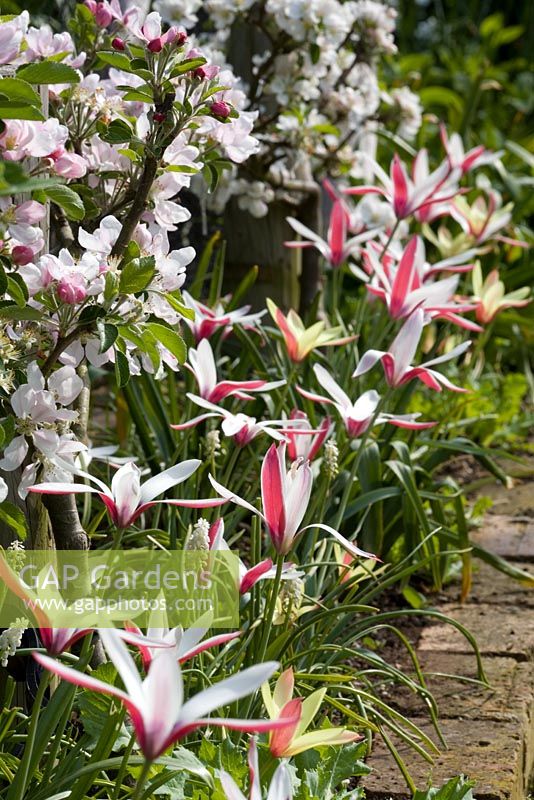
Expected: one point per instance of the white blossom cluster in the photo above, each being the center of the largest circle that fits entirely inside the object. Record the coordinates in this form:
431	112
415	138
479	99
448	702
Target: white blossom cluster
313	88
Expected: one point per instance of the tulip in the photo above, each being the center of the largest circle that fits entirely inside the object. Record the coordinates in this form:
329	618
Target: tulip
292	739
183	644
242	427
207	321
202	365
155	704
127	499
285	496
489	294
454	147
300	341
337	248
404	290
250	576
410	196
358	416
396	362
303	440
280	788
483	220
54	640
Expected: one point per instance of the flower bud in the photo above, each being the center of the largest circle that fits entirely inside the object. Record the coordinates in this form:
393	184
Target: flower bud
22	255
70	292
156	45
159	116
118	44
103	15
207	71
220	109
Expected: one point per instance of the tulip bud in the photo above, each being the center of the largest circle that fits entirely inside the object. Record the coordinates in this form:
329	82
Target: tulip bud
220	109
22	255
118	44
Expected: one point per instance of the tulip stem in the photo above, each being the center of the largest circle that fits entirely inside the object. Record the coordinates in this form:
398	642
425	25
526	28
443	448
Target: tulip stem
140	785
390	239
24	767
275	588
357	459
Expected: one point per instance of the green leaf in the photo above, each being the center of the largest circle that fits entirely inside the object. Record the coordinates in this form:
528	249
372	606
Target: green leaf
456	789
17	290
16	90
187	65
117	60
441	96
68	200
122	369
182	168
136	274
18	312
174	299
14	518
108	334
332	766
96	708
117	131
15	109
46	72
413	597
90	314
170	339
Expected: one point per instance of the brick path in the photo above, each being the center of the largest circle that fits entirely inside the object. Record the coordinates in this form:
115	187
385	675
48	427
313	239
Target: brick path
489	733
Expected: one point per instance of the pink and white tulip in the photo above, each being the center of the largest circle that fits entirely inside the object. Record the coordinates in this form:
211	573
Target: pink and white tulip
127	499
250	576
397	360
183	644
305	441
285	495
359	415
337	248
410	195
240	426
202	365
404	289
208	321
280	787
156	707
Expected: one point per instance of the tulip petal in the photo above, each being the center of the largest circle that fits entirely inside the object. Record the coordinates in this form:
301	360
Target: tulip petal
168	478
226	691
